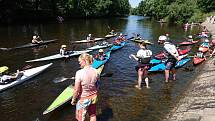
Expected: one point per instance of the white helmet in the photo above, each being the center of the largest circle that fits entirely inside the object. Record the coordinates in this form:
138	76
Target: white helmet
89	35
34	37
163	38
206	40
190	36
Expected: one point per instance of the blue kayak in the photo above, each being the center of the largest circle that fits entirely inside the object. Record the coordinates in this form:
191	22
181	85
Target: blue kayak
161	66
116	47
97	63
155	61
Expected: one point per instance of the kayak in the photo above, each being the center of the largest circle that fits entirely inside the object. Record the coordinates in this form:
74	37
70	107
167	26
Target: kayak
30	45
110	35
161	66
116	47
180	52
58	56
141	40
188	43
65	96
86	41
99	47
27	74
197	60
97	63
157	61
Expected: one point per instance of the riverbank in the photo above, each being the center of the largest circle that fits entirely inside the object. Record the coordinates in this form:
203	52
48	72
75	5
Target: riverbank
198	101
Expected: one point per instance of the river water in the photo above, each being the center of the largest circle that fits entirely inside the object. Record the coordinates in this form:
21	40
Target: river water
118	99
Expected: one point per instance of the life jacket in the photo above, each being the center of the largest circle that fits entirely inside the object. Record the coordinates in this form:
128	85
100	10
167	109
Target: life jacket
144	56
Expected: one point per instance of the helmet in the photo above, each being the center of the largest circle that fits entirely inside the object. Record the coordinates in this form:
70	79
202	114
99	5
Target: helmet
120	34
190	36
163	38
3	69
101	50
112	30
89	35
63	46
34	37
206	40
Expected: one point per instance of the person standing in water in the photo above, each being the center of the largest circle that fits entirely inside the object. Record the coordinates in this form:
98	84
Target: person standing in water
85	89
171	53
143	57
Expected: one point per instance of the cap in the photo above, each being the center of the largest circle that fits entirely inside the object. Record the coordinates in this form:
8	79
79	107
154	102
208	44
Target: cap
89	34
63	46
3	69
190	36
101	50
206	40
163	38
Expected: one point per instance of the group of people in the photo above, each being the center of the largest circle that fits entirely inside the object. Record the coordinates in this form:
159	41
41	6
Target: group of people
144	55
119	39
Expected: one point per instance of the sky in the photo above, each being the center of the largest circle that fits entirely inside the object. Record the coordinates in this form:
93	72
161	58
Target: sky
134	3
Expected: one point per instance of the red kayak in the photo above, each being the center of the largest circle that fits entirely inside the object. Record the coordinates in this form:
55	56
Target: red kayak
180	52
197	60
188	43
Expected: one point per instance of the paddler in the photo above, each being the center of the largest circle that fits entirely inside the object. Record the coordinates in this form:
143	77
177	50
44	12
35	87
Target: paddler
7	78
101	55
171	53
112	32
36	39
85	89
89	37
143	57
63	51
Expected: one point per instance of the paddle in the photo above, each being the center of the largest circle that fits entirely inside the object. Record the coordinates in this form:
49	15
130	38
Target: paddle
62	79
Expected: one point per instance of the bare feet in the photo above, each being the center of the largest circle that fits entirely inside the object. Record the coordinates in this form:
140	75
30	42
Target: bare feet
138	87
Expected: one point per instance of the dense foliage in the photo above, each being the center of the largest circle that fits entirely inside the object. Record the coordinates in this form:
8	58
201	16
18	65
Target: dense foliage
11	9
179	11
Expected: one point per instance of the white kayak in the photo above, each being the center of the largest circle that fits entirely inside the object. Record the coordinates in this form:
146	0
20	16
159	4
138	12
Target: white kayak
99	47
58	56
86	41
27	74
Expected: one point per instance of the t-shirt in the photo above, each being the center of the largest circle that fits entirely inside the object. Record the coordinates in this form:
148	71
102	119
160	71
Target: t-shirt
5	78
144	55
87	77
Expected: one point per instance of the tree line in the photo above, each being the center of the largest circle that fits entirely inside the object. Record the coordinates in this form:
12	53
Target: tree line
34	9
179	11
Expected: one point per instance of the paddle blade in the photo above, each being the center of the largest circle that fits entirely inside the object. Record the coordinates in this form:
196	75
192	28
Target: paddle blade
61	79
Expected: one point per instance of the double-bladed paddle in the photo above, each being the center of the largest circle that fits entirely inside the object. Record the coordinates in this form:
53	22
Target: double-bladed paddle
62	79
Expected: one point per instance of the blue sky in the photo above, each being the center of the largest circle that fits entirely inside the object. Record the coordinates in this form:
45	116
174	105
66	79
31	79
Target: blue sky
134	3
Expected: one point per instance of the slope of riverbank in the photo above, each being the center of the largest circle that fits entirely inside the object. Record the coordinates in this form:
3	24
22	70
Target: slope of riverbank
198	101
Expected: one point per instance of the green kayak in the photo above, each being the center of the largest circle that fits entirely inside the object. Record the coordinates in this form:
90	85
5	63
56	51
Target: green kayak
65	96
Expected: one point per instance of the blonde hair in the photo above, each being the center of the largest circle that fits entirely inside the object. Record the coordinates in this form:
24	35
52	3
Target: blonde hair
86	57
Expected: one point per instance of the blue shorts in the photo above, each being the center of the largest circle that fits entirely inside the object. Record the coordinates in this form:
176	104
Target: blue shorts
170	65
